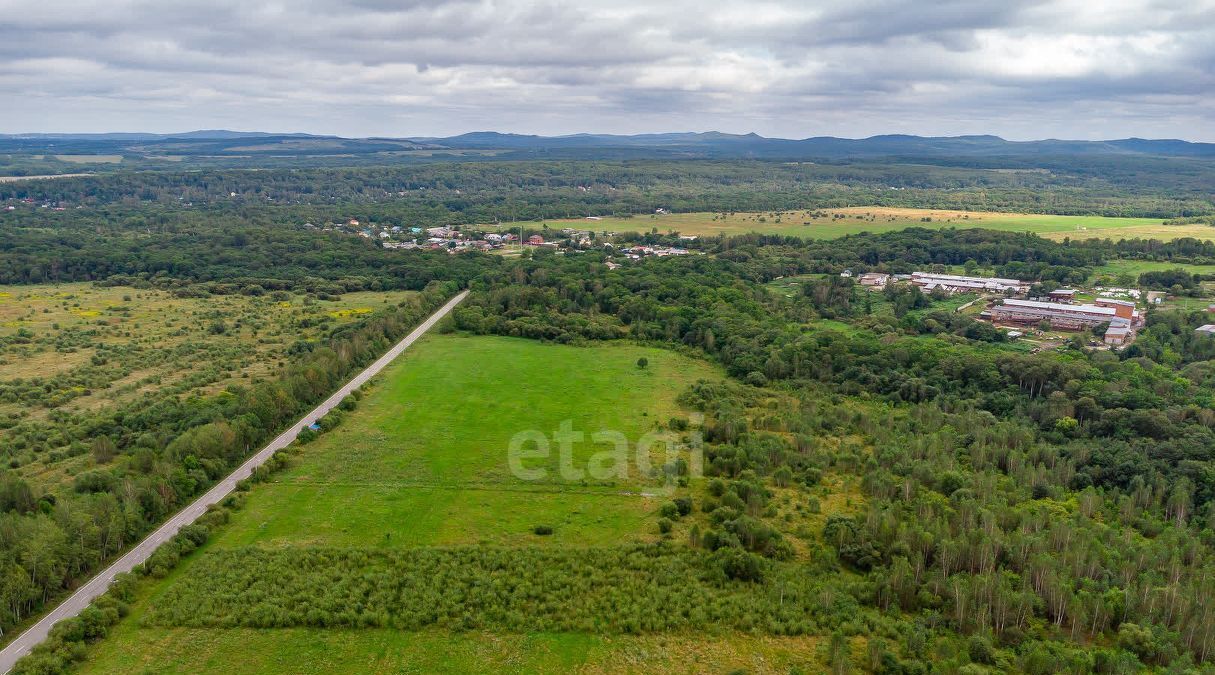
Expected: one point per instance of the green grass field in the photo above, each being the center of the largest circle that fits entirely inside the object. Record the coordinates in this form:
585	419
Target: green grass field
832	223
161	650
423	461
1134	268
878	304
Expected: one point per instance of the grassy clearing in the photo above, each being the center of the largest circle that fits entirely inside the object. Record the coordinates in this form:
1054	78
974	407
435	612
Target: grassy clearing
1125	273
1134	268
17	179
832	223
875	300
182	650
424	460
90	159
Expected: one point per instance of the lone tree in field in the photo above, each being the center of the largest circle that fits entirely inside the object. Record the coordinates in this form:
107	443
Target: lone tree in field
643	362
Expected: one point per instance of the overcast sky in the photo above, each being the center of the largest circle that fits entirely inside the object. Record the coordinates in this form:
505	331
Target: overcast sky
1059	68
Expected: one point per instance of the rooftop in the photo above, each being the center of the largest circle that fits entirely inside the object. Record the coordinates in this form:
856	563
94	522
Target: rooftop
980	280
1058	307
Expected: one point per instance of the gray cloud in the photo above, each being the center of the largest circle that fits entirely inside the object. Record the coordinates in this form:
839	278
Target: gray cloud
1060	68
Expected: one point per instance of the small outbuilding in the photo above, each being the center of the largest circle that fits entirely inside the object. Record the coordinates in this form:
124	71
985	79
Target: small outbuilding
874	279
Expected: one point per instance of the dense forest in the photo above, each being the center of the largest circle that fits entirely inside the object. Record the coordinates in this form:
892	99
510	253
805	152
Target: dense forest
220	253
492	191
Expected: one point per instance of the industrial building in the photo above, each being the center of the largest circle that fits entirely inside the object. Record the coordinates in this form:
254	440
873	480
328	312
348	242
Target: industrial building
1063	316
952	283
1120	315
1117	334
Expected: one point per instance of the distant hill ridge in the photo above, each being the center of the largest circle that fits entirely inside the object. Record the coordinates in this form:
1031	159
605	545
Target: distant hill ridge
701	144
829	145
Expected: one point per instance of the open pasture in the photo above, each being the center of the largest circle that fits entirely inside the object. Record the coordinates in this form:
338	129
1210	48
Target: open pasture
832	223
297	650
90	159
424	460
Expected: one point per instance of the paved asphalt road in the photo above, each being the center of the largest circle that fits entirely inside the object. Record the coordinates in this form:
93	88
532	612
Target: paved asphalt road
98	584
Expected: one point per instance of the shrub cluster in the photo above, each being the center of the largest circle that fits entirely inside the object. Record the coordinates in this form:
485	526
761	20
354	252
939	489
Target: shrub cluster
637	589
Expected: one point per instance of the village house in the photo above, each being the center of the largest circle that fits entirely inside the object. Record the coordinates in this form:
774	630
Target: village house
874	279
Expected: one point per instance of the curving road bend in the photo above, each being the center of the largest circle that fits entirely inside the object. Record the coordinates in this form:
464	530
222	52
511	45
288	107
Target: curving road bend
101	582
